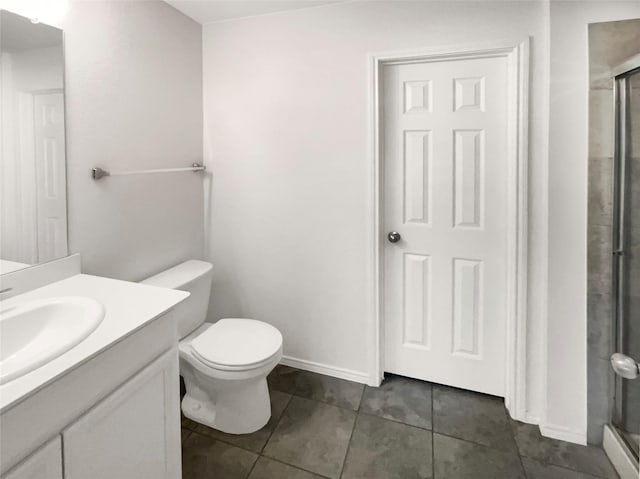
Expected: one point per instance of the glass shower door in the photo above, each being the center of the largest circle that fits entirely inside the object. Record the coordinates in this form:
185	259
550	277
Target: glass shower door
626	260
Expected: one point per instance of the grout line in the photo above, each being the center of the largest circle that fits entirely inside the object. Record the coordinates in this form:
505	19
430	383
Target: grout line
346	454
475	443
259	455
326	403
361	398
395	420
216	439
566	468
291	465
253	466
433	442
284	410
587	474
295	389
547	463
513	435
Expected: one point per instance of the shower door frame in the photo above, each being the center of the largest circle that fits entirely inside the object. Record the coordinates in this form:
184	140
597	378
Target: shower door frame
621	149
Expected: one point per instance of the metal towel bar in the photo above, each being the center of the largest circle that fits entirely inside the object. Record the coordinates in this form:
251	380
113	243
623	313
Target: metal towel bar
97	173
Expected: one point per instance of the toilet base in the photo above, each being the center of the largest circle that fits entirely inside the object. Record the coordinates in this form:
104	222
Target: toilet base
232	406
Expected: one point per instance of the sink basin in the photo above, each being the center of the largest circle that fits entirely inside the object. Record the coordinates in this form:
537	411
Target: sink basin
35	332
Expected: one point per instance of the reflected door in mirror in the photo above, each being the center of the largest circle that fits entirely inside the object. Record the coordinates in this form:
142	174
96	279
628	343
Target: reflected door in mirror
33	196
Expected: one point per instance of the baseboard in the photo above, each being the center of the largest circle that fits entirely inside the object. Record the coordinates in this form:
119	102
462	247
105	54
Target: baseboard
563	434
625	465
336	372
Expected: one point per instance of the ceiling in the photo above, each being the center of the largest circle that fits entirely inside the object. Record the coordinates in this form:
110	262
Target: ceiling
18	34
207	11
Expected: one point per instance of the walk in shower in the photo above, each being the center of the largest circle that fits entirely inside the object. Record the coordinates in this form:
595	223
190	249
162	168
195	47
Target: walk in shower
625	414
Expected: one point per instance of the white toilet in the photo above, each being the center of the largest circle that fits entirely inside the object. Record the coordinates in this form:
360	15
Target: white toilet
225	364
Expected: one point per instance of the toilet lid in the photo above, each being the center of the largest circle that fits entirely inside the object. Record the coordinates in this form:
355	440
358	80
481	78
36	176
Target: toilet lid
237	342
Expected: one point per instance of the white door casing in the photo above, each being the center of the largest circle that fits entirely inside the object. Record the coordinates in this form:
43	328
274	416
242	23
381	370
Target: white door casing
50	169
465	261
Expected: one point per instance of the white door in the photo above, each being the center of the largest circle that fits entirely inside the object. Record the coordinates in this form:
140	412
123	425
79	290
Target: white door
50	176
445	146
134	433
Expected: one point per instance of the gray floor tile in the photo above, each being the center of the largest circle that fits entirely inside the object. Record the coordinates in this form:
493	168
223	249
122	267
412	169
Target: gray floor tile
473	417
283	378
400	399
588	459
206	458
382	449
255	441
267	468
188	423
313	436
539	470
308	437
457	459
334	391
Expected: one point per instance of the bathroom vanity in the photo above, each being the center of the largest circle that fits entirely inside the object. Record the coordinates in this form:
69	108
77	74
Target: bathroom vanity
89	384
109	406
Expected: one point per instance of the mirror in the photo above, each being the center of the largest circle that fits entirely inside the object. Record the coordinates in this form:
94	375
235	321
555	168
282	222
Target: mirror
33	190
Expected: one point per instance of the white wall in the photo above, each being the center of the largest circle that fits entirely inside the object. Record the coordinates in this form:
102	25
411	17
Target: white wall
39	69
286	138
134	101
568	152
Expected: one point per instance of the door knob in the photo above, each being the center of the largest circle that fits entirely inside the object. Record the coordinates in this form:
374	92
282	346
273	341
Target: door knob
394	237
625	366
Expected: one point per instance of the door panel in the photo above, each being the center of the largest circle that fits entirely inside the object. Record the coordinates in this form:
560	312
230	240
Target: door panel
445	142
468	182
50	176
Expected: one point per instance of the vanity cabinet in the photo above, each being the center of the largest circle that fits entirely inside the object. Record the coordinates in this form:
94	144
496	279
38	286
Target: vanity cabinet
45	463
117	416
134	433
125	434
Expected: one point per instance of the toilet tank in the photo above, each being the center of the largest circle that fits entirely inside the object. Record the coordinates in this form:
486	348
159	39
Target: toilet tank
195	277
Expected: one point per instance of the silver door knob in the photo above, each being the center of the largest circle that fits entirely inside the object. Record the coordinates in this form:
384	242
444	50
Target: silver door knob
394	237
625	366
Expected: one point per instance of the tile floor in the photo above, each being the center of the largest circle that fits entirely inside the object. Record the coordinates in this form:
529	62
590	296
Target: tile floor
323	427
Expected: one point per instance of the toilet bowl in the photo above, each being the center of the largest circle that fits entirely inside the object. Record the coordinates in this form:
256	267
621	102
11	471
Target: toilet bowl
224	364
227	390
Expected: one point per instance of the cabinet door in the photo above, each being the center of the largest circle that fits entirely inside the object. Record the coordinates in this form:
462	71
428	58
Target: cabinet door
134	433
45	463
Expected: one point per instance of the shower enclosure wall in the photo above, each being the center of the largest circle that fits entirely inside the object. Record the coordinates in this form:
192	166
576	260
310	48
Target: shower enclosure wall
613	241
625	414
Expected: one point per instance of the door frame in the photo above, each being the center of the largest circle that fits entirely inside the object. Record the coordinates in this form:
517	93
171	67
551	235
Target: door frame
517	57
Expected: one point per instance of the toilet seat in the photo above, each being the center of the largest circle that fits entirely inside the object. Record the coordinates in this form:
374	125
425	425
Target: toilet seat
236	344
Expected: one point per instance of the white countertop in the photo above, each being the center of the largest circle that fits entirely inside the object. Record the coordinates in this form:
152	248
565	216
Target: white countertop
128	306
7	266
